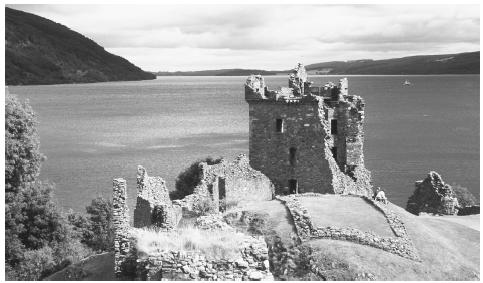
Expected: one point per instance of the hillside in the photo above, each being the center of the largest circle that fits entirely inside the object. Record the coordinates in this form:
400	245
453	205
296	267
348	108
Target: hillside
447	250
462	63
40	51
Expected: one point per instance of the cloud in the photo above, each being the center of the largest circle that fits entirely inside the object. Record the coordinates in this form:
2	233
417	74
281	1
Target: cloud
267	36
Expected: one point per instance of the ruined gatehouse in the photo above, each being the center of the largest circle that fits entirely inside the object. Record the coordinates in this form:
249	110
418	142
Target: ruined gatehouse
307	138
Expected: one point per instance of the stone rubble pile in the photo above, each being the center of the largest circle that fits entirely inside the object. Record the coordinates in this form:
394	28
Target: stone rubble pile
213	222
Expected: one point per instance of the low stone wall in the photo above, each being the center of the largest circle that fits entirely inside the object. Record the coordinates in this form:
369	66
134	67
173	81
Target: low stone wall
469	210
394	221
252	264
396	245
300	215
400	245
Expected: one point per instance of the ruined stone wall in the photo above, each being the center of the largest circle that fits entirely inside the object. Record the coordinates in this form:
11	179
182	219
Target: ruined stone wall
166	216
432	195
252	264
350	138
152	192
120	222
234	181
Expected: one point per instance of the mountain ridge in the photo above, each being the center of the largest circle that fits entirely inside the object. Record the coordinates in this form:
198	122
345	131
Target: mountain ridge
459	63
40	51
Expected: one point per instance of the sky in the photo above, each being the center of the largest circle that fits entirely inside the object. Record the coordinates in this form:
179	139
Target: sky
269	37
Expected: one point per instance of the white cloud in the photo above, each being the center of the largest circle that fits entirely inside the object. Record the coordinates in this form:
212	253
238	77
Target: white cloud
190	37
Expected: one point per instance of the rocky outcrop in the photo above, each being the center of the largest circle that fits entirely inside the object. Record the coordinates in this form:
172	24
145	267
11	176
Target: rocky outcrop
432	195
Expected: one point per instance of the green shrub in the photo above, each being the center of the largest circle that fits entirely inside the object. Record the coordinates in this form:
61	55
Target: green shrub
190	178
95	230
22	154
100	216
204	206
35	264
38	238
464	196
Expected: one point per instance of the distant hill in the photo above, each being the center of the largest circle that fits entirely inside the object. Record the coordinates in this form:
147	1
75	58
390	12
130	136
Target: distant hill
40	51
462	63
221	72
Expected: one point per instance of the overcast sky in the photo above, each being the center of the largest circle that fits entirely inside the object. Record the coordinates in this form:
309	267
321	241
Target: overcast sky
189	37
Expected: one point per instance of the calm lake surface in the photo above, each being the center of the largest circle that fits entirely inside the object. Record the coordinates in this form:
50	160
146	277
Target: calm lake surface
92	133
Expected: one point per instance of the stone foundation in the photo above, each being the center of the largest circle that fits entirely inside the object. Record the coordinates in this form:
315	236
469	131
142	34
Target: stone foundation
400	245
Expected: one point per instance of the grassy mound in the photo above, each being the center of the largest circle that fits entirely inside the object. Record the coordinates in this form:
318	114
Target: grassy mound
448	250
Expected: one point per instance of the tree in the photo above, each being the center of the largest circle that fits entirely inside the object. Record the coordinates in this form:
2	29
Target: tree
190	178
464	196
100	216
95	230
22	154
38	237
22	166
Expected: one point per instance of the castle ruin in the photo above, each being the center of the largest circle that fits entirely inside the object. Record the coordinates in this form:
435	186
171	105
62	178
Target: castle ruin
307	138
302	139
221	184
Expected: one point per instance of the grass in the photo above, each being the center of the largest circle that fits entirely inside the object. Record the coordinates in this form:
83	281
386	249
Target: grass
471	221
94	268
448	251
279	219
334	210
214	244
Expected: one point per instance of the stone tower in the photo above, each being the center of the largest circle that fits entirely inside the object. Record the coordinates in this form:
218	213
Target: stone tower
307	138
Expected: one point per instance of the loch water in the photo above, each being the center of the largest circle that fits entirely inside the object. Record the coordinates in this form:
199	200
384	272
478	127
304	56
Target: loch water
92	133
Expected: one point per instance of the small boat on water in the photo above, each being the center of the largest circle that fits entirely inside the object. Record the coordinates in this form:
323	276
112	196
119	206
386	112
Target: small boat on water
406	82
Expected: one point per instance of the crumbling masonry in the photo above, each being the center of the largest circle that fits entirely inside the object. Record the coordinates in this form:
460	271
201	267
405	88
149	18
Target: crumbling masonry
221	183
307	138
120	222
432	195
152	195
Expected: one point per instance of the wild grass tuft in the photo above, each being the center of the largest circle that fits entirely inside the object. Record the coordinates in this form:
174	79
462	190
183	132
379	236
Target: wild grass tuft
216	244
